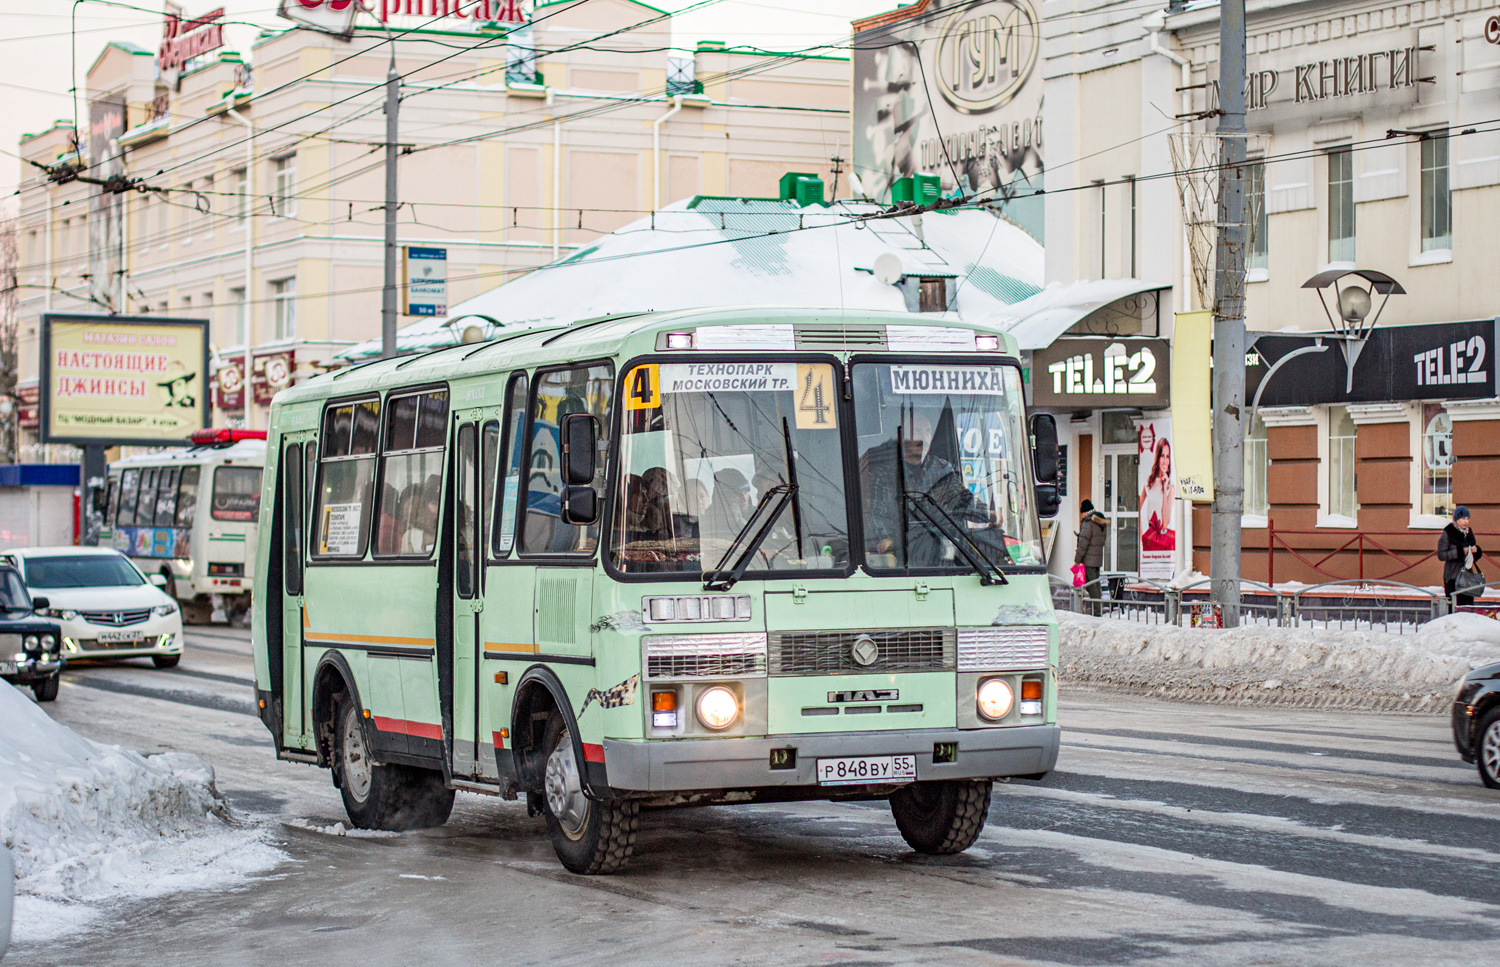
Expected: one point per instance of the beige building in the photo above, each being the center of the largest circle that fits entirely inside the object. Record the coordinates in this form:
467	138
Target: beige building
1372	122
265	182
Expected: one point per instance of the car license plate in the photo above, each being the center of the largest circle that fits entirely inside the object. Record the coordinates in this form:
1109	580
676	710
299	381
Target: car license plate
7	668
116	637
856	770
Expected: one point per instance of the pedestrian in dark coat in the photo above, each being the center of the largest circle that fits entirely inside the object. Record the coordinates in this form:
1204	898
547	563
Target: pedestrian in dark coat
1093	530
1459	551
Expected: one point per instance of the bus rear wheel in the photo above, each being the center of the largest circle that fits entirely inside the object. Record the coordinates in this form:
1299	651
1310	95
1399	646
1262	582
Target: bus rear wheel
591	836
941	817
384	796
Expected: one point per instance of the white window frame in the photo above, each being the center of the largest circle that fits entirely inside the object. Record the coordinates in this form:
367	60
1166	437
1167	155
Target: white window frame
241	202
1325	481
284	185
1344	255
1433	247
241	314
283	308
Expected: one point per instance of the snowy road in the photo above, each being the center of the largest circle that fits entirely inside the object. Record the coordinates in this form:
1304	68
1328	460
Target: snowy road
1171	834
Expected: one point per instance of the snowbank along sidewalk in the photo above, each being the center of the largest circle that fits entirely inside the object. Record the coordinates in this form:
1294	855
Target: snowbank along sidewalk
90	823
1255	665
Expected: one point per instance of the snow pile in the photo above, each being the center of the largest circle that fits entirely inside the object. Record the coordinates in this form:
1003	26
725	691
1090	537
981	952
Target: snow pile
89	823
1256	665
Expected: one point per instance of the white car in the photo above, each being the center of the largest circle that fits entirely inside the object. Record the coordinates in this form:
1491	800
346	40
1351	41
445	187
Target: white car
104	605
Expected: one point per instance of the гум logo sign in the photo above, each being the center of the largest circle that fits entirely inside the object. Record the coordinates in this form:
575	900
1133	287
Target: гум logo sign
986	54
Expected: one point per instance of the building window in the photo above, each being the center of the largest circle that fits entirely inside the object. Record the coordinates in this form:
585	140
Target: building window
242	193
1437	461
1255	200
284	189
1256	465
682	77
1343	500
1341	205
241	310
520	58
284	308
1437	203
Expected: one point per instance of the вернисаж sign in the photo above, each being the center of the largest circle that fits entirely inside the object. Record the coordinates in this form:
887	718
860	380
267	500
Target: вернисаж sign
122	379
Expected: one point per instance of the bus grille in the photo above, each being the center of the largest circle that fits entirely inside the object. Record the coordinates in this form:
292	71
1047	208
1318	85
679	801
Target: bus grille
705	656
1002	648
828	336
830	652
115	619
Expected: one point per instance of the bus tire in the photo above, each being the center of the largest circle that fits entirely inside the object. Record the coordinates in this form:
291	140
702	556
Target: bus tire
383	796
165	661
591	836
941	817
46	689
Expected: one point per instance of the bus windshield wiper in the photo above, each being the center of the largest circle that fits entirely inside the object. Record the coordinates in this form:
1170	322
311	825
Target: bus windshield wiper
721	580
929	510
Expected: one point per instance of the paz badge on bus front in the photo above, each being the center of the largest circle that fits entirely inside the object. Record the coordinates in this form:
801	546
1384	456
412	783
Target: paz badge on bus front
864	650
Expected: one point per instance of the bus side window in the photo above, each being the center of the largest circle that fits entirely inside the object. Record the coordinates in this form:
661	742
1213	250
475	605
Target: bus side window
187	496
411	474
511	449
351	440
145	505
292	469
489	458
559	394
166	497
312	474
465	530
111	494
130	488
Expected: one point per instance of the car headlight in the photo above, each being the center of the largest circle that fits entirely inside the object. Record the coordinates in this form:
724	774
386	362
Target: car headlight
30	641
994	699
162	610
718	708
67	614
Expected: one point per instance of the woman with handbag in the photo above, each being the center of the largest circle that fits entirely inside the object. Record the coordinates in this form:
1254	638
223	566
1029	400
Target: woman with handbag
1460	554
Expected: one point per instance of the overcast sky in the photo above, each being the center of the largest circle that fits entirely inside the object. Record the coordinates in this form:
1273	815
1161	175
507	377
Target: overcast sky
37	46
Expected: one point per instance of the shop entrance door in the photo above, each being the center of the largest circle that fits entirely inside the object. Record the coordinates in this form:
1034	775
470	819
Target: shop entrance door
1122	497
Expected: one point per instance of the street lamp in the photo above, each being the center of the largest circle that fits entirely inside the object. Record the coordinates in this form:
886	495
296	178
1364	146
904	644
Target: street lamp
1353	324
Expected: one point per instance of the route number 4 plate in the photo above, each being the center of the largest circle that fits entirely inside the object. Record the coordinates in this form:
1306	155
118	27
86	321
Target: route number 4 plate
857	770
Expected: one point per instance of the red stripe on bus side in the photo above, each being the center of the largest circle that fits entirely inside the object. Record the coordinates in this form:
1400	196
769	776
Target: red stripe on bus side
403	727
593	753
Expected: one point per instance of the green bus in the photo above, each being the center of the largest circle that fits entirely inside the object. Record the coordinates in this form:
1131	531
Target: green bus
660	559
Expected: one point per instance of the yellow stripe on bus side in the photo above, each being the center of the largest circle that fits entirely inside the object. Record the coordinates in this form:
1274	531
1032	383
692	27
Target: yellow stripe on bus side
502	646
371	639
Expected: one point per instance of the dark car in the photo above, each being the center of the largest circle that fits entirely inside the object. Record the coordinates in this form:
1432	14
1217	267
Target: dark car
1476	722
30	648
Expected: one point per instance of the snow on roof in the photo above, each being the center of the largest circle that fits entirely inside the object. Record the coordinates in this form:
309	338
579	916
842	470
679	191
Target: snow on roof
1040	319
712	251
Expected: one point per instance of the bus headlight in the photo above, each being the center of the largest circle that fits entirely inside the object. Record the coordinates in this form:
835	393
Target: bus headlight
718	708
994	699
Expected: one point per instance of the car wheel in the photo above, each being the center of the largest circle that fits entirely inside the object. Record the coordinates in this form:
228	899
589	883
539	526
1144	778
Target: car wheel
46	689
165	661
941	817
389	797
590	836
1487	748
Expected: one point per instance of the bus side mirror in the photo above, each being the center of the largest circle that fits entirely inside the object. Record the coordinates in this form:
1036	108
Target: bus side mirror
580	435
1044	462
580	505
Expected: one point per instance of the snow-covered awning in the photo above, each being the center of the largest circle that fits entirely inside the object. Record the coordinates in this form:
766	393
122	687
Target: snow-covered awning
1038	321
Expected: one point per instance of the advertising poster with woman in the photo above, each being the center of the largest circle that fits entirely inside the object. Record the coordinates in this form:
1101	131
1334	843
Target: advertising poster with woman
1158	500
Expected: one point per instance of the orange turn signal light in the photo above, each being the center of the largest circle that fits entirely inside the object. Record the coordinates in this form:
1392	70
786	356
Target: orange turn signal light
1031	690
663	701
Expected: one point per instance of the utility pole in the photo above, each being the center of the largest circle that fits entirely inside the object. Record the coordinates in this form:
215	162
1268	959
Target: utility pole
388	296
1229	318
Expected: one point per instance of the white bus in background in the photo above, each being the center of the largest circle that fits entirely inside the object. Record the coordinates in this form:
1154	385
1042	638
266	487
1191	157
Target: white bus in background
190	515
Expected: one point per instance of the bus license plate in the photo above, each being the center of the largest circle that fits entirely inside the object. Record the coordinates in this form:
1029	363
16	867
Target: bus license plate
856	770
118	637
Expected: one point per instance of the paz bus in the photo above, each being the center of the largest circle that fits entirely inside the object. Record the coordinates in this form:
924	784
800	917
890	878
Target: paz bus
189	515
712	556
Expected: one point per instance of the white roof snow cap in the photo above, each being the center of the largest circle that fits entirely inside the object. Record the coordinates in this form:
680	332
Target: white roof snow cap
1036	322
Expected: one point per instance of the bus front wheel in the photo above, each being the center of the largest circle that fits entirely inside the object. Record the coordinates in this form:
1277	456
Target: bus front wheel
941	817
384	796
590	835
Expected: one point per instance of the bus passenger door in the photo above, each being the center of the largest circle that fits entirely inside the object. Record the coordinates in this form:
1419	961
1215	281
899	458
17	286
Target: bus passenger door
468	602
297	450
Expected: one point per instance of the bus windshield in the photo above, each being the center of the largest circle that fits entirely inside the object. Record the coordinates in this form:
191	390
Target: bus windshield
950	438
707	445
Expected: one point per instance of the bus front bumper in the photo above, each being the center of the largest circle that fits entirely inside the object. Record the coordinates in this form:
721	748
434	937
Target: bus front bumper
688	765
